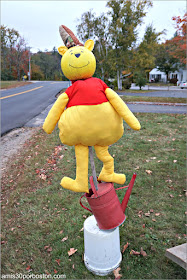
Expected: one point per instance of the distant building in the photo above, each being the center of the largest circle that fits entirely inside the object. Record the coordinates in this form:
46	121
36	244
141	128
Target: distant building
156	75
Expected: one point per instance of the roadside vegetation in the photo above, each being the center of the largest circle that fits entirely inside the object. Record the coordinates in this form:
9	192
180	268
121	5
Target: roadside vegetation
41	221
159	100
13	84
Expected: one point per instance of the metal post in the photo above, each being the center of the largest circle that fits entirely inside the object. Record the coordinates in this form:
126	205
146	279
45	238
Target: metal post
93	167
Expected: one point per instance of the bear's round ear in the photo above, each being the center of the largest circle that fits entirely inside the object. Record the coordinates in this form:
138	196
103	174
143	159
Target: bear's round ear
89	44
62	50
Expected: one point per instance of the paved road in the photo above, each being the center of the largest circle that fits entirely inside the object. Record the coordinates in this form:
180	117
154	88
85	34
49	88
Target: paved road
21	104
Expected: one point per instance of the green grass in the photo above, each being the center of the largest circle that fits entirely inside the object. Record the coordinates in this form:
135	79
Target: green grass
153	99
36	209
12	84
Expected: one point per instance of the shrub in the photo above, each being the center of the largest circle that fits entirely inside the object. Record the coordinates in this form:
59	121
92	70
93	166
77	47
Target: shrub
173	81
127	84
140	79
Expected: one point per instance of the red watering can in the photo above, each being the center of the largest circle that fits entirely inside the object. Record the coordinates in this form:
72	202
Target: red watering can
105	205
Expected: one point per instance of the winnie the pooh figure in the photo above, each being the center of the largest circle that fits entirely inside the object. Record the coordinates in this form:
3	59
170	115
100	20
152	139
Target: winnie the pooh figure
88	113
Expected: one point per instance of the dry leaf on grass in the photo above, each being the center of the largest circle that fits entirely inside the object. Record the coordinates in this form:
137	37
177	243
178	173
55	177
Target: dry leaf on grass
143	253
157	214
148	171
64	239
132	252
58	261
116	273
125	247
72	251
48	248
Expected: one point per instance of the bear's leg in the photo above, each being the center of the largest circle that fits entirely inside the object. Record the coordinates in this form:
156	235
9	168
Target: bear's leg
107	173
80	184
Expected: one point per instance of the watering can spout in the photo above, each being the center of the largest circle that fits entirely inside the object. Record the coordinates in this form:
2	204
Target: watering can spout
128	193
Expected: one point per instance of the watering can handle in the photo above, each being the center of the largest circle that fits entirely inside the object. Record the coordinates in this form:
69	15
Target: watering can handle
83	205
121	188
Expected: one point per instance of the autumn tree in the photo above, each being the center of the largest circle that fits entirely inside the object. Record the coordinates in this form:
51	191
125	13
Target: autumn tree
144	54
177	46
14	54
166	62
124	16
96	28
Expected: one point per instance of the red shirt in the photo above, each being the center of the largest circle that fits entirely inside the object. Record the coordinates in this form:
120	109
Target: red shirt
90	91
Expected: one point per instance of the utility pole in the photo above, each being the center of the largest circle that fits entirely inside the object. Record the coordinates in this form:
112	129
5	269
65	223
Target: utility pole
29	73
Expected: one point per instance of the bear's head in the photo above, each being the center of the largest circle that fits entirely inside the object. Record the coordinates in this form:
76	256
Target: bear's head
78	62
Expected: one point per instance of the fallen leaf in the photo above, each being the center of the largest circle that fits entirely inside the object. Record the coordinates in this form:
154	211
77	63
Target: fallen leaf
148	171
171	195
61	232
61	157
151	210
55	271
73	266
84	216
64	239
72	251
132	252
153	220
58	261
81	229
143	253
137	167
43	177
147	214
28	267
157	214
49	249
153	157
125	247
116	273
143	225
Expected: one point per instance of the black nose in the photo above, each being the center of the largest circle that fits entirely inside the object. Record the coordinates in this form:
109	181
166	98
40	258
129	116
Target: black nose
77	55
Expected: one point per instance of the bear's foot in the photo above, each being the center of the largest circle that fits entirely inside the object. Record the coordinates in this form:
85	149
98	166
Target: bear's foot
74	185
114	178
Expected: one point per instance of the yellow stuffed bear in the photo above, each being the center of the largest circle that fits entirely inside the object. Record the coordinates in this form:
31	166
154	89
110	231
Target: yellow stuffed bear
93	116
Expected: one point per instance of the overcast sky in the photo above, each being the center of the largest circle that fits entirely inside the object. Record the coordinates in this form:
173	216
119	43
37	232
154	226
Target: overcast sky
38	21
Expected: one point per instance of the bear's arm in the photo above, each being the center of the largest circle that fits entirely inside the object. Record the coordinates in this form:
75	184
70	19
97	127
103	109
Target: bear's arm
122	109
55	113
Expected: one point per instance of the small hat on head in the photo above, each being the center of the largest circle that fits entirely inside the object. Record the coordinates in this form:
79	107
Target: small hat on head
68	37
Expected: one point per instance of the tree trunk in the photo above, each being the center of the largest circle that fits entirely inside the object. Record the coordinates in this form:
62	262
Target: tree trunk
119	79
102	74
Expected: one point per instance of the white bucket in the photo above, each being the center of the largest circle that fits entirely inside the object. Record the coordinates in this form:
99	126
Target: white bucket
101	248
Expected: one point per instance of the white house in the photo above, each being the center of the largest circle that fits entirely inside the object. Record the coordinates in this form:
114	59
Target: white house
157	75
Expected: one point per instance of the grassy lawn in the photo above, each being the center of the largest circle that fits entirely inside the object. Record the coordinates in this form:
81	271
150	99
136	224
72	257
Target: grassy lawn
41	221
153	99
13	84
